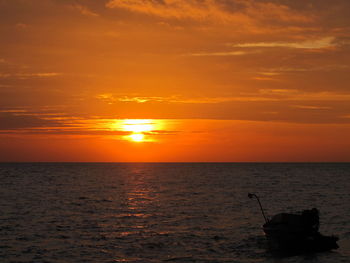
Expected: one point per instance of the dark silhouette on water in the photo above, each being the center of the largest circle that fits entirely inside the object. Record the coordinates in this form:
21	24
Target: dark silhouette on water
297	232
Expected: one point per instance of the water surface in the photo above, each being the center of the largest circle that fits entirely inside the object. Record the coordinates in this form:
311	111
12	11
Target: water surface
163	212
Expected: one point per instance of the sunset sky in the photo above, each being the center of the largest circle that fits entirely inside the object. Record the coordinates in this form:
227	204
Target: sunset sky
175	80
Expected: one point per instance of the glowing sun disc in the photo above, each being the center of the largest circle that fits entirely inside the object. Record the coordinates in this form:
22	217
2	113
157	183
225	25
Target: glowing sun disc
137	137
139	130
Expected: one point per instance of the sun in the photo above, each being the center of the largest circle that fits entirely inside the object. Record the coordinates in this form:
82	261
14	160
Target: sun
139	129
137	137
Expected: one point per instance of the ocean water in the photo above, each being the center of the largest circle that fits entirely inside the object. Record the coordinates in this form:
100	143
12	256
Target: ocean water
163	212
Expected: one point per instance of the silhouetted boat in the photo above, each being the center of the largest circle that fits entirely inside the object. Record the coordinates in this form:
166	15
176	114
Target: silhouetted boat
299	232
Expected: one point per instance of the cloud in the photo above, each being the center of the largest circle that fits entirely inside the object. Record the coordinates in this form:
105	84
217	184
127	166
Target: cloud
299	95
326	42
311	107
322	43
263	95
111	99
171	8
30	75
243	11
5	86
265	78
312	68
84	10
26	122
10	120
219	54
13	111
64	131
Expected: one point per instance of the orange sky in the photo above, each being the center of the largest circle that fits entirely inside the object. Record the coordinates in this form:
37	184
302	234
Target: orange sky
211	80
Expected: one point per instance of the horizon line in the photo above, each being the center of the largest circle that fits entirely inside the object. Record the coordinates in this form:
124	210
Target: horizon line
180	162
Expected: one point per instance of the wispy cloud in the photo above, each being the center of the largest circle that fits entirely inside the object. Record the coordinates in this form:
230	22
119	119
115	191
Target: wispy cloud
63	131
326	42
267	76
272	95
111	99
219	54
240	11
30	75
19	122
299	95
14	120
13	111
264	78
207	9
311	107
5	86
323	43
84	10
311	68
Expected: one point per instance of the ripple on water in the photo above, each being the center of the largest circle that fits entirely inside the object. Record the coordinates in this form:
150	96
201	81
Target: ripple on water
162	212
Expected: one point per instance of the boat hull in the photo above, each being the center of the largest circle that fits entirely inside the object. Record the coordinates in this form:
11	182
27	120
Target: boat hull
295	241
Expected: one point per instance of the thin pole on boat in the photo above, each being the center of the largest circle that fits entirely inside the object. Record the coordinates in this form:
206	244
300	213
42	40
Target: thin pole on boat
261	208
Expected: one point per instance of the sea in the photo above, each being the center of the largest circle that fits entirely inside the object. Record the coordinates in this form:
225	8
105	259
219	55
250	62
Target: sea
164	212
